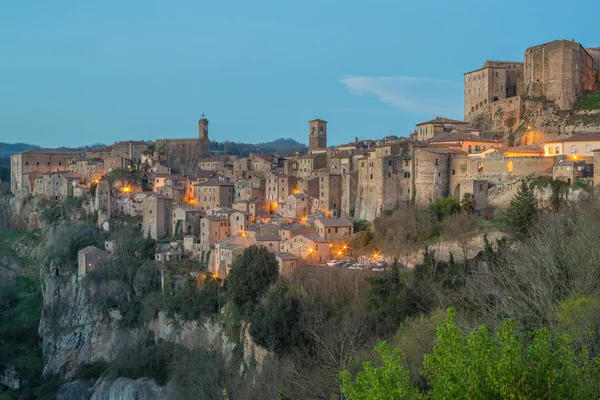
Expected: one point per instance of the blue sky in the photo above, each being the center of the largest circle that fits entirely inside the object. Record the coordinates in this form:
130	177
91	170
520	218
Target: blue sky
82	72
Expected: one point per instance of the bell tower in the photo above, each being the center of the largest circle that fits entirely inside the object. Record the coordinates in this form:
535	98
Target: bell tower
203	128
317	134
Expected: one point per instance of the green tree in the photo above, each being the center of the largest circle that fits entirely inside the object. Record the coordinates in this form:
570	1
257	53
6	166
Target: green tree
275	323
251	275
522	211
390	381
468	203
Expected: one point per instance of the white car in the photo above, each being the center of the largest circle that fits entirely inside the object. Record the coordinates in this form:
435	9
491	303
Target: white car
333	263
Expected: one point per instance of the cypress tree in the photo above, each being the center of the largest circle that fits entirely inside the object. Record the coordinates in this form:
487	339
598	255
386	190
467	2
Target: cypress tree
522	211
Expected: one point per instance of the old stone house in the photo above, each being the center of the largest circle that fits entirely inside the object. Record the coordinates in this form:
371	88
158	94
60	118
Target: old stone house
333	229
88	258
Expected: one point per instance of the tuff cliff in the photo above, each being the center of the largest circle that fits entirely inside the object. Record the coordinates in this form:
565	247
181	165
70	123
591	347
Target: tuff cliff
523	120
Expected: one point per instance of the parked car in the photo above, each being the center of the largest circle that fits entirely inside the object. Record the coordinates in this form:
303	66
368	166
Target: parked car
382	264
347	265
333	263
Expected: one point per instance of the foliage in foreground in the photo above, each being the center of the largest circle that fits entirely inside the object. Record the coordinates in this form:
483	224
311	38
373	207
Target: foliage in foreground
480	366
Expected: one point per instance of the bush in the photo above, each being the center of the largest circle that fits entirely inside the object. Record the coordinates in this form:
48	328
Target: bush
192	303
251	275
444	207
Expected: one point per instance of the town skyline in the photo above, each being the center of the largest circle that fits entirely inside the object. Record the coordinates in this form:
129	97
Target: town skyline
104	79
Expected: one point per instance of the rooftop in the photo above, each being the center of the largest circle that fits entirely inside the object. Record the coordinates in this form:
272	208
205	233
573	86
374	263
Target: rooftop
579	137
214	182
440	120
343	222
459	137
49	151
89	249
285	256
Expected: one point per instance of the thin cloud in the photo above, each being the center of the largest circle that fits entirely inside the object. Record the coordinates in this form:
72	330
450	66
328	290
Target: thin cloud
416	95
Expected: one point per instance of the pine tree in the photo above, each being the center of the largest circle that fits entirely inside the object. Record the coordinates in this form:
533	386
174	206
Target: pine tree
522	211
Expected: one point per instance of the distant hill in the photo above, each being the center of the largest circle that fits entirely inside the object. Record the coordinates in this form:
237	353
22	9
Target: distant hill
283	146
6	149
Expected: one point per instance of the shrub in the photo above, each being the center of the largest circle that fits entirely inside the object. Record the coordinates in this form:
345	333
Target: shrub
444	207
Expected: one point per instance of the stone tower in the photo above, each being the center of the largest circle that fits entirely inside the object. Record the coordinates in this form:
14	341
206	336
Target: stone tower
317	133
203	128
204	149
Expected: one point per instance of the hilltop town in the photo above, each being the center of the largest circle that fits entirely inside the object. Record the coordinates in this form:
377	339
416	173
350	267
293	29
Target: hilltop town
303	207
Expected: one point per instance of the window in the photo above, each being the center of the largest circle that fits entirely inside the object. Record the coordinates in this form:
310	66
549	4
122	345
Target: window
343	170
371	176
556	150
573	149
453	172
437	161
389	163
469	149
386	151
509	166
406	163
479	167
407	174
588	148
362	164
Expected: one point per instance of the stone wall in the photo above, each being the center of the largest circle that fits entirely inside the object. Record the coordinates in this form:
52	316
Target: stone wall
183	155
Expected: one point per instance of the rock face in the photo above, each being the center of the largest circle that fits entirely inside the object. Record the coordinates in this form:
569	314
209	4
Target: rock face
76	390
128	389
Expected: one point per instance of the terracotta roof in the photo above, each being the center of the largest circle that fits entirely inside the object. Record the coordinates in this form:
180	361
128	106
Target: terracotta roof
89	249
285	256
439	120
49	151
458	137
265	238
442	151
314	238
214	182
343	222
579	137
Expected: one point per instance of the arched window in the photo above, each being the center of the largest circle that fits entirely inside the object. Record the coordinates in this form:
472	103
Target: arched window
479	167
509	166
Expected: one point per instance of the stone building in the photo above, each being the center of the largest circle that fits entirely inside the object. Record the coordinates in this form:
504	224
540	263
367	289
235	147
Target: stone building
56	185
310	163
157	216
286	262
296	206
561	71
214	193
310	247
581	144
495	81
25	166
130	150
317	132
88	258
213	228
329	192
429	129
186	220
183	155
90	169
333	229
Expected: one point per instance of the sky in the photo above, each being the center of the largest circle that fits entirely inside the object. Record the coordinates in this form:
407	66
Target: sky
81	72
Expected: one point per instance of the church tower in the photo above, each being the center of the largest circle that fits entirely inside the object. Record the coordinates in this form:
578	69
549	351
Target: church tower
203	128
317	134
204	151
